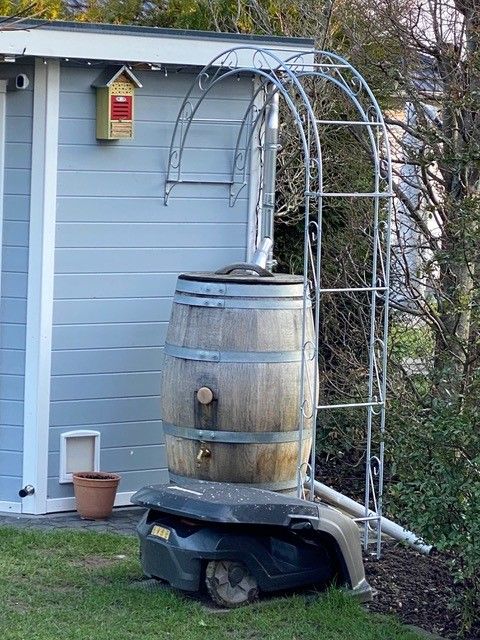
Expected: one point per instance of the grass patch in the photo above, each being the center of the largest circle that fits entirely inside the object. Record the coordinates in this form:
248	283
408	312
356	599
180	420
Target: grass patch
80	586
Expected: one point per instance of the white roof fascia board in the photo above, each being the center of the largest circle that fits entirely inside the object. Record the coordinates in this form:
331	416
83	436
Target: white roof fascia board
165	49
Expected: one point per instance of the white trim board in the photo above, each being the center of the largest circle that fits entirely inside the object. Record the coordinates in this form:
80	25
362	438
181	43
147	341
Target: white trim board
10	507
43	193
165	48
3	111
68	504
4	506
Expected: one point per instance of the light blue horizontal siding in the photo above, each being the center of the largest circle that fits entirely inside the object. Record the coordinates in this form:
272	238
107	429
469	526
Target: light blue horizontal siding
116	434
16	207
106	336
119	250
180	209
153	134
9	462
145	260
129	183
12	336
11	388
120	459
142	160
113	285
13	310
12	361
20	129
15	259
87	311
15	233
88	412
18	154
121	360
145	235
17	181
11	439
98	385
12	412
13	304
151	108
10	486
14	284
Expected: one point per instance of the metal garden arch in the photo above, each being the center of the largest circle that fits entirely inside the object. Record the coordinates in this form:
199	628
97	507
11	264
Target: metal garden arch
276	78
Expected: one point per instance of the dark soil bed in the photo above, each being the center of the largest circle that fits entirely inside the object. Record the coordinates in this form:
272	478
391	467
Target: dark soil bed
419	589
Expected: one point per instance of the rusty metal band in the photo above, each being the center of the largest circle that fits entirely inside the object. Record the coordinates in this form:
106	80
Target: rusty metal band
234	437
188	353
269	486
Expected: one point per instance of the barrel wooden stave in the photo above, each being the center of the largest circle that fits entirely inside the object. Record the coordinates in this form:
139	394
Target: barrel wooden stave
260	464
270	404
235	329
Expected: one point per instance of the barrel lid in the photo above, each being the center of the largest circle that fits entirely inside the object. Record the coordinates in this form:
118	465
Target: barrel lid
240	278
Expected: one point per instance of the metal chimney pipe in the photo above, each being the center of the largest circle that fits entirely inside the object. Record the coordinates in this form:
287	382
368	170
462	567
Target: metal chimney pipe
270	169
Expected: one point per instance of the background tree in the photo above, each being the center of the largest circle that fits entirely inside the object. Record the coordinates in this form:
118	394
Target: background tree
429	52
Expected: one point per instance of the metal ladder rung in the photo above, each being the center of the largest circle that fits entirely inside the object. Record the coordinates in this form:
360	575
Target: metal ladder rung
355	123
350	405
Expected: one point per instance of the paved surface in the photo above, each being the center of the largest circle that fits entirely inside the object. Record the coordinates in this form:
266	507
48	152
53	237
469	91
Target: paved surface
123	520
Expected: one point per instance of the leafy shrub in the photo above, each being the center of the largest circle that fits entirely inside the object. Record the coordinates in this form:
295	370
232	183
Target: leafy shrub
410	341
437	488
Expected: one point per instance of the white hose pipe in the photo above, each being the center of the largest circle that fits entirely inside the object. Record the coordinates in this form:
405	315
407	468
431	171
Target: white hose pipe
392	529
262	252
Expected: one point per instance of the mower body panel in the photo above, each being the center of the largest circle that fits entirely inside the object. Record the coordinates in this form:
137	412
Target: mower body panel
284	542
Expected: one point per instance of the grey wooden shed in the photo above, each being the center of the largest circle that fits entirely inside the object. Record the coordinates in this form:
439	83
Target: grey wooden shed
90	252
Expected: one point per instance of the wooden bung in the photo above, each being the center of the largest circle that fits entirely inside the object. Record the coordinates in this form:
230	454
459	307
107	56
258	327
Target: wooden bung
204	395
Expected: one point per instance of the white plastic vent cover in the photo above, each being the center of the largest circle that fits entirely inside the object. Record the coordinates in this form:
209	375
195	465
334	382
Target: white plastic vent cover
79	451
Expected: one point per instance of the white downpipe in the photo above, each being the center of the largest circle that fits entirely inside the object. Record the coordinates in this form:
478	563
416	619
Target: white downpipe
392	529
270	169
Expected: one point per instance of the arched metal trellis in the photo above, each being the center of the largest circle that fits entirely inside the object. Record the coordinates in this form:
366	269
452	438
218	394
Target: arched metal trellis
288	79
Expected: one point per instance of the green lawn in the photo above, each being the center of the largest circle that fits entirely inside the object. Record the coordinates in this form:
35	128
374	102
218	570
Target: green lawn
70	585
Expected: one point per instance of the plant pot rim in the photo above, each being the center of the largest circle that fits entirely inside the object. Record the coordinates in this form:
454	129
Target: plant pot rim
95	476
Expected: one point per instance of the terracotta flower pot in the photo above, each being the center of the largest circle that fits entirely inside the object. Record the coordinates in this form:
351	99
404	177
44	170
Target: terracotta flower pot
95	493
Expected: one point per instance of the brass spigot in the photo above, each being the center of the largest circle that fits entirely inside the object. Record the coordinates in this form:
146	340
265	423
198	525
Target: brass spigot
204	452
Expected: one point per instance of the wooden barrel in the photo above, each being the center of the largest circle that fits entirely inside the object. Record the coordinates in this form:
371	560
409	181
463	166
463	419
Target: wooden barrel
231	380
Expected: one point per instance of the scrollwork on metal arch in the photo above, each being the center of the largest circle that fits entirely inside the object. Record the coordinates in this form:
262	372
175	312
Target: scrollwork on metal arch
222	67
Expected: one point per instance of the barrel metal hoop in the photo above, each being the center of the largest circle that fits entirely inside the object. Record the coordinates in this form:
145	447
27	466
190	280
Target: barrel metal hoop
211	289
234	437
193	300
188	353
268	486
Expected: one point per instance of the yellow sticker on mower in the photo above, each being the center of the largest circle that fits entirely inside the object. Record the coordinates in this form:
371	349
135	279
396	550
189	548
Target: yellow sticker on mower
160	532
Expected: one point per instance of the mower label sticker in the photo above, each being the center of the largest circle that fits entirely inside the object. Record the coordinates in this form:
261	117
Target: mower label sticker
160	532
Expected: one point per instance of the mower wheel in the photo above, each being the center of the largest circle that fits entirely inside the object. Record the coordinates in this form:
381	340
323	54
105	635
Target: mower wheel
230	584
